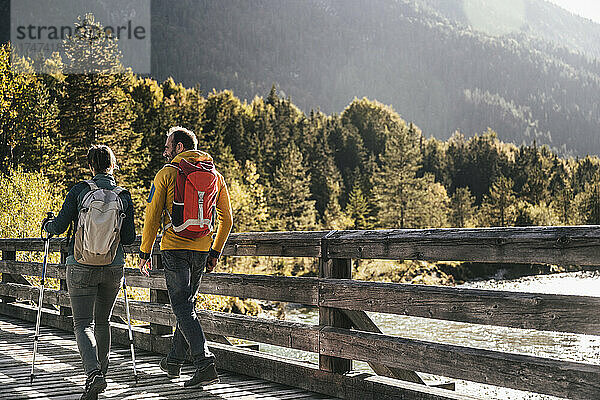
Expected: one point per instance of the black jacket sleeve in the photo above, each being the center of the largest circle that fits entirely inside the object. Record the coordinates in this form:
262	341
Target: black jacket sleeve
128	226
68	212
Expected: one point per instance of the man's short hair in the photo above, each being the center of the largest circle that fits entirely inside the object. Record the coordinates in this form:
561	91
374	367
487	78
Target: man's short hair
184	136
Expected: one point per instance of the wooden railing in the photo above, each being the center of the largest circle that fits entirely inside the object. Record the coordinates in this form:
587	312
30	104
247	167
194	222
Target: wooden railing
345	332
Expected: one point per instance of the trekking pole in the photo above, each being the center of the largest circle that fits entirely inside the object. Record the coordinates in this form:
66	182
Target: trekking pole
130	330
46	240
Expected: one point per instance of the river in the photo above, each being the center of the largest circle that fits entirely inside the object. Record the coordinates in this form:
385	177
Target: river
554	345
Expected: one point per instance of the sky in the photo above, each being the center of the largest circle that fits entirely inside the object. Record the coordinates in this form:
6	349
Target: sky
585	8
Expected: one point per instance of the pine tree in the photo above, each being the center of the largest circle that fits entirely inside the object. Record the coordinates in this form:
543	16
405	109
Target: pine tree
533	169
562	202
589	202
272	97
348	151
484	163
222	125
97	106
148	99
457	164
561	192
289	202
28	115
585	170
248	200
334	217
325	176
434	161
260	140
462	205
358	208
534	214
397	191
433	208
501	202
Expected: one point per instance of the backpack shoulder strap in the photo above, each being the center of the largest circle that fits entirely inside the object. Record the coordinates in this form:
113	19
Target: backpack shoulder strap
93	187
173	165
92	184
118	190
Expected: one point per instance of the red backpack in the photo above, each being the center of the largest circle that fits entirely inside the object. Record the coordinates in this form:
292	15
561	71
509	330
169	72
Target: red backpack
195	199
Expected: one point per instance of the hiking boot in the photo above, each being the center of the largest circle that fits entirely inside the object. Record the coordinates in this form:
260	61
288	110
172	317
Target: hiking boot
203	377
94	384
172	370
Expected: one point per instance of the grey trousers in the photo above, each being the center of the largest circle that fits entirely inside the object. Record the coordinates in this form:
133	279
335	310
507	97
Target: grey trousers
183	272
93	291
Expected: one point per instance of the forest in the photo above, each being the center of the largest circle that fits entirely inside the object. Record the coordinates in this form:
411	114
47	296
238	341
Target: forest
536	78
365	168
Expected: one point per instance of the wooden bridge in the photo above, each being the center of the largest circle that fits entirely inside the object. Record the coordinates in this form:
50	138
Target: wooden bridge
344	333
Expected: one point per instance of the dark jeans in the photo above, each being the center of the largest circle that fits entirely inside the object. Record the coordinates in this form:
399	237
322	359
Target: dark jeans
183	272
93	291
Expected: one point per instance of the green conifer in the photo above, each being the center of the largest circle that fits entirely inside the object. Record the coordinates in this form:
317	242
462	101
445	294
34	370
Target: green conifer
289	199
462	206
501	202
97	106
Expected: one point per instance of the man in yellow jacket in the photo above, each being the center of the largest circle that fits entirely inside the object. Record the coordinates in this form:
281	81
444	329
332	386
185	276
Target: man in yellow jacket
184	259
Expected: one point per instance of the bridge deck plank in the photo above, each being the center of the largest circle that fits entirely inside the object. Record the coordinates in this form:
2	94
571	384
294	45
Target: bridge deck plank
59	374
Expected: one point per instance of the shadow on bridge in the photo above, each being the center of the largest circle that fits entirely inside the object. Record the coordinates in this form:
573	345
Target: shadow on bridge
59	374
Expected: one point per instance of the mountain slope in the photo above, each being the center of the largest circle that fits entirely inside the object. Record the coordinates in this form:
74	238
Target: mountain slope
431	68
535	18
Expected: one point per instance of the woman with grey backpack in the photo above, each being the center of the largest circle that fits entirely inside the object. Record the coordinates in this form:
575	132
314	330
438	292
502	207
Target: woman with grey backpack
102	216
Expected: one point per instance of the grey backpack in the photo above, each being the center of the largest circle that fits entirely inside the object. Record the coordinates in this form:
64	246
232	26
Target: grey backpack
99	225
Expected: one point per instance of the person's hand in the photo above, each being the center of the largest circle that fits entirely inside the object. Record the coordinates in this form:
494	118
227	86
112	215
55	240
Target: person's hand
211	263
45	234
44	222
145	266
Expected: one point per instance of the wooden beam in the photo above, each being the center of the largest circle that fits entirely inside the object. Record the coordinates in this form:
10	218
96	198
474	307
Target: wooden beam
156	280
352	386
63	284
27	244
563	313
8	256
273	288
33	268
560	378
280	333
569	245
27	292
356	386
159	296
263	287
361	321
280	244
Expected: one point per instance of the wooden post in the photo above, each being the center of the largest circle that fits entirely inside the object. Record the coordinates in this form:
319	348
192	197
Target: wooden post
64	311
161	297
8	256
342	269
361	321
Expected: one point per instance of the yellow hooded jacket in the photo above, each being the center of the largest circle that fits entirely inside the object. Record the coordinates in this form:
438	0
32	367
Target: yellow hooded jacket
161	198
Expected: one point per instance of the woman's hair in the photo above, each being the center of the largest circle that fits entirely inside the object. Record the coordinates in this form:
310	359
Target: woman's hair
101	158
